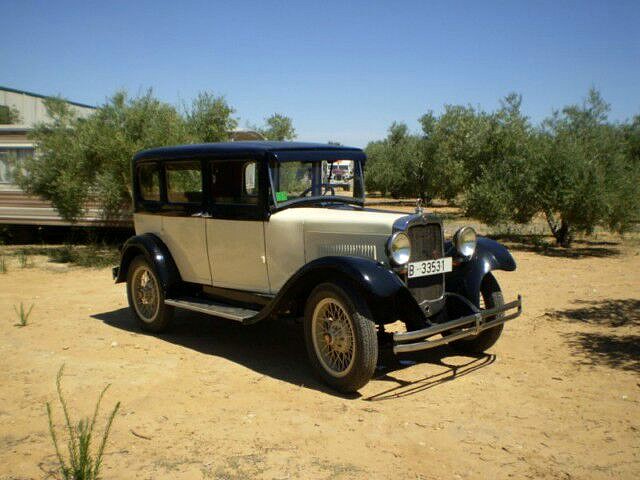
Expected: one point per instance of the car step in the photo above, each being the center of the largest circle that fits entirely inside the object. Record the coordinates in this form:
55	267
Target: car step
210	307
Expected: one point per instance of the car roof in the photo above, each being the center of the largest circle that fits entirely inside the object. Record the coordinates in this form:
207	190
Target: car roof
281	150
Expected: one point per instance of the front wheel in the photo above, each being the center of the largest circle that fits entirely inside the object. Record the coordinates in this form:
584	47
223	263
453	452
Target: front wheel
340	337
490	297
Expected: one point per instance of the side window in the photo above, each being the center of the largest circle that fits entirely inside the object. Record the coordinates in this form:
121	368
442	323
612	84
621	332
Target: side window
184	182
234	182
250	179
149	182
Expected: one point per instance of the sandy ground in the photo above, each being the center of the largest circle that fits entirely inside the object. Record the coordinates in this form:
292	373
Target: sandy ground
557	397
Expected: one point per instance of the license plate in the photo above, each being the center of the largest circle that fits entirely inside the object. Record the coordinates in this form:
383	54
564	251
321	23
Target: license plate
429	267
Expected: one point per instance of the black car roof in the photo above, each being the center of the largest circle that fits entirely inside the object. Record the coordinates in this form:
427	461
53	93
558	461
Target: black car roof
281	150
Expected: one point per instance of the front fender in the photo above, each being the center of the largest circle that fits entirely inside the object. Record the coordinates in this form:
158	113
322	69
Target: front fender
156	253
377	284
465	279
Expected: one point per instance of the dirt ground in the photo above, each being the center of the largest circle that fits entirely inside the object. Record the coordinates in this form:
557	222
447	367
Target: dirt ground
557	397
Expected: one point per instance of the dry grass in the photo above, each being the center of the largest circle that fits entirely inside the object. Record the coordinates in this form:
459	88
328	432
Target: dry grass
91	255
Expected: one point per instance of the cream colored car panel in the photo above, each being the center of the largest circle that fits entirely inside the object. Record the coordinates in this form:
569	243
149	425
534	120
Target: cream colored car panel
296	236
147	223
185	238
261	256
237	254
285	246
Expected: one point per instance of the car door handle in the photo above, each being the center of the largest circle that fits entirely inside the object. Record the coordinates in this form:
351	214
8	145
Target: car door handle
202	215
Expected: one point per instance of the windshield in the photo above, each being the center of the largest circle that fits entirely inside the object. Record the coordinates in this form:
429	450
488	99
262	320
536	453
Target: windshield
321	181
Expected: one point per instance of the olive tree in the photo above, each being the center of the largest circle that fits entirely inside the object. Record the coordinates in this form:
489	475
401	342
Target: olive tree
631	133
394	164
503	186
461	146
209	119
59	171
90	159
576	169
586	177
278	127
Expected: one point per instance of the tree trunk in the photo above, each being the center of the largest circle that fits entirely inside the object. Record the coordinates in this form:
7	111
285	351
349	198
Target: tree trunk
560	229
564	235
426	199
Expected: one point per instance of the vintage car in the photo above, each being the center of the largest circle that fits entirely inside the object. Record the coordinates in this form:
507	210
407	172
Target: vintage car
253	230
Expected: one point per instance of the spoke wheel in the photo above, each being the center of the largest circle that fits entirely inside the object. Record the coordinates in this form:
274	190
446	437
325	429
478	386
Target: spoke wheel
146	294
333	337
146	297
340	336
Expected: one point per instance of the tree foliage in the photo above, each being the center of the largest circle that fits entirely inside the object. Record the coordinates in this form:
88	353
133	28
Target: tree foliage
395	164
210	119
576	169
82	159
278	127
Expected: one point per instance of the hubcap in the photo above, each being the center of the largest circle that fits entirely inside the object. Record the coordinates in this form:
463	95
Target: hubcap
333	337
146	297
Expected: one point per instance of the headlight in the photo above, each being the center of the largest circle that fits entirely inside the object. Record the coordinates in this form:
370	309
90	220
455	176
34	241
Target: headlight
399	248
465	241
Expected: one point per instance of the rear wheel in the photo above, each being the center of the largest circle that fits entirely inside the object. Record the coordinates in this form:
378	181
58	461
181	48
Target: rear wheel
146	297
490	297
340	337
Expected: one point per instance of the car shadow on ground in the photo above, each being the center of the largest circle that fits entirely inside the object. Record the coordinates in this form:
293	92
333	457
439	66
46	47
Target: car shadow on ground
276	349
612	345
453	366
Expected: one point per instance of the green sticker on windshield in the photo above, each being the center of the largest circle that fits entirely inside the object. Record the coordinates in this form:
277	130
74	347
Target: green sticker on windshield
282	196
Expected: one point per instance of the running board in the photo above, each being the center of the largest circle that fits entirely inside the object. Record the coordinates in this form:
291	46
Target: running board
209	307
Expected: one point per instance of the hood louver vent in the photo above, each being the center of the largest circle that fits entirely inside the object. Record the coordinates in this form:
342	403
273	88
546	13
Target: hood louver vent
355	250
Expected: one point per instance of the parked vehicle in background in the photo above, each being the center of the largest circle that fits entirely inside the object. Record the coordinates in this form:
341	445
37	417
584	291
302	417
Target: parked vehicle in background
254	230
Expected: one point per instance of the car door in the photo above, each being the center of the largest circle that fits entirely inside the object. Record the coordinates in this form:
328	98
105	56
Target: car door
235	231
183	222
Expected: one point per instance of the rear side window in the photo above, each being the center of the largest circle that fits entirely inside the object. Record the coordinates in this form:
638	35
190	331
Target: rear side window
149	182
184	182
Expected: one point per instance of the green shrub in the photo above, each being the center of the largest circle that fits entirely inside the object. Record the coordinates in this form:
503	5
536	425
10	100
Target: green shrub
83	463
23	260
23	315
62	255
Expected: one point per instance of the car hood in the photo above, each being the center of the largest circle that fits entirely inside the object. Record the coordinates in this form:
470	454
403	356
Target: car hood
343	220
342	231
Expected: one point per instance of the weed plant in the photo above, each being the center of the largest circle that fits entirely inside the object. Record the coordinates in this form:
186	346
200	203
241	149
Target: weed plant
83	461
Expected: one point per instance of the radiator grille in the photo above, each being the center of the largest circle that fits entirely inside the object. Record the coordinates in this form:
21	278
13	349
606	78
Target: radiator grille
426	244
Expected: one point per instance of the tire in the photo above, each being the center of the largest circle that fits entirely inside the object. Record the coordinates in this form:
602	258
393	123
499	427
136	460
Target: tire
340	337
146	297
492	297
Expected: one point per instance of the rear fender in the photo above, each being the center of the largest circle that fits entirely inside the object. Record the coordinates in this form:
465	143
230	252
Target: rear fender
156	253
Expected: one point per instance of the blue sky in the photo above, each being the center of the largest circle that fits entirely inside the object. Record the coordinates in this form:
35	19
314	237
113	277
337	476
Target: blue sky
342	70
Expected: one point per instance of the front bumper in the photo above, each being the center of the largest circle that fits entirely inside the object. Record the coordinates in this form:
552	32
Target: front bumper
463	327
